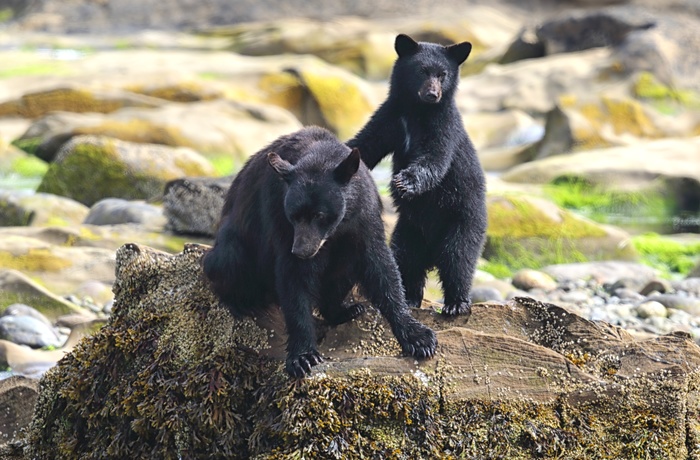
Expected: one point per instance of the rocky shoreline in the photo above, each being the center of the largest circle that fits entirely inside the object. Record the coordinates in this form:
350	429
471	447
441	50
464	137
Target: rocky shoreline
114	140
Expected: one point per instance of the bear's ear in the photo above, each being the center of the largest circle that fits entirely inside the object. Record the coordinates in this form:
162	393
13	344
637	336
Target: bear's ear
282	167
348	167
459	52
405	45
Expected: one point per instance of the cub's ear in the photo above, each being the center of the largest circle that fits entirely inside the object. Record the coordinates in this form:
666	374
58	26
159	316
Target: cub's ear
348	167
405	45
459	52
282	167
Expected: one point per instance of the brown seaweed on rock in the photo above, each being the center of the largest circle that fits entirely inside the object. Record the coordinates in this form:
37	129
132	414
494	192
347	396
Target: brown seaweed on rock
173	375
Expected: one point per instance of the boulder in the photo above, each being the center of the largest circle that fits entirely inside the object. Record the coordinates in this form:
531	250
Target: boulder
33	105
39	209
520	380
60	268
114	211
529	232
118	169
214	128
17	398
16	287
665	170
193	205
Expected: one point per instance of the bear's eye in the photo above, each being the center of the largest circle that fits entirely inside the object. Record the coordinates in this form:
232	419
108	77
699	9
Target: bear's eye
442	74
425	71
321	216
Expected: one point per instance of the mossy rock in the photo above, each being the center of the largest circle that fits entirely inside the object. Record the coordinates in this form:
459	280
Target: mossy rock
527	232
520	381
90	168
15	287
322	97
177	92
577	125
22	209
72	100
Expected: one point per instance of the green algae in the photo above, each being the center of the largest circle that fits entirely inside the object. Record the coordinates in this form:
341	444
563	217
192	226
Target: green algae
669	256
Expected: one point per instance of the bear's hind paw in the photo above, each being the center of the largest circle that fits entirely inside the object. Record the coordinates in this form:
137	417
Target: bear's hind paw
463	308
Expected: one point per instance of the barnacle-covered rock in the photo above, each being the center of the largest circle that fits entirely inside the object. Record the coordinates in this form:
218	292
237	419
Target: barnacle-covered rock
173	375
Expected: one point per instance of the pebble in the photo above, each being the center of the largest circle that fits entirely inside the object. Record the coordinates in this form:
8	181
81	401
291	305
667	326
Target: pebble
528	279
651	309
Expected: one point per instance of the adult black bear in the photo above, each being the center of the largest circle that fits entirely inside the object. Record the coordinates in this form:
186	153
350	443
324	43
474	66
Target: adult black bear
438	185
300	227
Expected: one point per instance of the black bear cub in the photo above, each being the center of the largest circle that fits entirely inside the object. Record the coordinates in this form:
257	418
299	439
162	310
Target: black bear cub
300	227
438	185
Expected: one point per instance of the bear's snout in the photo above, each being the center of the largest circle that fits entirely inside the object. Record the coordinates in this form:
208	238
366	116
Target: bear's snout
431	91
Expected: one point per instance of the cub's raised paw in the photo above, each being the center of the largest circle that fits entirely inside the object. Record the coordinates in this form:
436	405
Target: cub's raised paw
418	340
345	313
298	366
405	184
463	308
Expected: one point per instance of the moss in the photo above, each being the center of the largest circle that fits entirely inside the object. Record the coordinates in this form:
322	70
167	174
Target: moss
652	206
29	166
35	259
628	116
667	255
29	145
107	177
648	87
520	235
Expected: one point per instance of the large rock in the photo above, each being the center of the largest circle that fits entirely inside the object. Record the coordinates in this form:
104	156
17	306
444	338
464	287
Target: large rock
90	168
60	268
33	105
214	128
16	287
520	380
17	398
37	209
193	205
667	169
529	232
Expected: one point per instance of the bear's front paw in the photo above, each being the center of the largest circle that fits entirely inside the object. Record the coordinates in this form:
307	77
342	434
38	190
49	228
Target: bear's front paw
405	184
418	340
300	365
463	308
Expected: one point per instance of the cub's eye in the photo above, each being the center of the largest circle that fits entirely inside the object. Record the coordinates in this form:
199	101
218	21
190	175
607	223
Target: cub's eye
425	70
322	216
442	75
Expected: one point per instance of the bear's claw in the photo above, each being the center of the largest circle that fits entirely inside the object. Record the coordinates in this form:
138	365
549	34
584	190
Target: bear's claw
300	366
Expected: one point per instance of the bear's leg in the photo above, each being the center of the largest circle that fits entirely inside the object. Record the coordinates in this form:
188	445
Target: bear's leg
413	259
381	284
294	286
456	264
333	293
226	265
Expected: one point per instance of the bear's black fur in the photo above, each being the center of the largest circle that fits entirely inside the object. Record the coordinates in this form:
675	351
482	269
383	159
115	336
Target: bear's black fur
300	227
438	185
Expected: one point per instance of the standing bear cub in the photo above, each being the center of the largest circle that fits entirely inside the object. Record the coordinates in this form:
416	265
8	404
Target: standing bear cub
438	185
300	227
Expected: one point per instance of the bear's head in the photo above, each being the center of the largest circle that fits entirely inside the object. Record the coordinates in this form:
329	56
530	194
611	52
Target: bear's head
425	71
316	199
